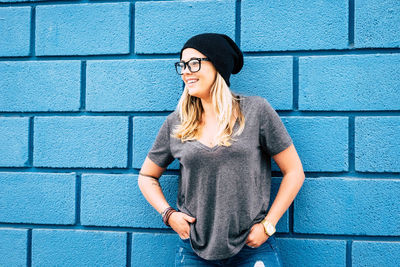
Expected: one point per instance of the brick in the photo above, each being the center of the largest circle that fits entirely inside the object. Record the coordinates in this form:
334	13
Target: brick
84	141
78	248
353	203
145	130
375	253
293	25
40	86
349	82
269	77
116	200
144	245
43	198
177	21
15	27
312	252
376	24
82	29
14	141
13	246
377	142
321	142
132	85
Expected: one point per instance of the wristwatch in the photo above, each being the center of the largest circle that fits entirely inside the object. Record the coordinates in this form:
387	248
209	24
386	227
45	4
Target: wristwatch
268	227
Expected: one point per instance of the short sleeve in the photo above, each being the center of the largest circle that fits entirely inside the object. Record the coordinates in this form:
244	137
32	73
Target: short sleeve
274	137
160	153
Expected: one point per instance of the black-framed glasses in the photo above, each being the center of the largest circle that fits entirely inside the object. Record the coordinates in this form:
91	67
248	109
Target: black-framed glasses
194	65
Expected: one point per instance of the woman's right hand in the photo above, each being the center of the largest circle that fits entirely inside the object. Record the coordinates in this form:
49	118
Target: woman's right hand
179	222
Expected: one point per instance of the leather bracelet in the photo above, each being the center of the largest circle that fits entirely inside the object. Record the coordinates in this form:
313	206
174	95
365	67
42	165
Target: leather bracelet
166	214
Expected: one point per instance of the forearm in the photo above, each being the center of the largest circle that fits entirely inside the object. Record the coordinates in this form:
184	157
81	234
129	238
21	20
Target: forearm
290	186
151	190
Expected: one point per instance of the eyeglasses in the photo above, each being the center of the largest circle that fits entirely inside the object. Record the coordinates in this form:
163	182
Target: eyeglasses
194	65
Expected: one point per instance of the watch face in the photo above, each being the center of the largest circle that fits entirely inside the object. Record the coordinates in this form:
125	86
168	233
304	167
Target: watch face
270	228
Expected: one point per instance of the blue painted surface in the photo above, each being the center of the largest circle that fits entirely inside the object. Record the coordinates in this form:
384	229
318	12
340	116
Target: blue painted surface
15	26
38	198
14	141
357	206
375	253
313	252
82	29
359	82
115	200
78	248
13	246
85	87
40	86
377	24
84	141
293	25
132	85
377	144
177	21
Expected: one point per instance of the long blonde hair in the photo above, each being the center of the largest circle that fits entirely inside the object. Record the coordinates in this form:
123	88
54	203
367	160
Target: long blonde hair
225	104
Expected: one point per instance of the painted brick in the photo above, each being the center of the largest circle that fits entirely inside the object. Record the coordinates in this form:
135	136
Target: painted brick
44	198
350	202
312	252
82	29
144	245
349	82
40	86
377	142
269	77
134	85
377	24
13	245
116	200
145	130
15	30
78	248
177	21
321	142
374	253
14	141
293	25
85	141
283	224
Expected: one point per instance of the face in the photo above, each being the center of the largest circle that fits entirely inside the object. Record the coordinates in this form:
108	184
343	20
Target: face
198	83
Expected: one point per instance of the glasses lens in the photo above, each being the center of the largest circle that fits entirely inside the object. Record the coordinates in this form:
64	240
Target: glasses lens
194	65
179	66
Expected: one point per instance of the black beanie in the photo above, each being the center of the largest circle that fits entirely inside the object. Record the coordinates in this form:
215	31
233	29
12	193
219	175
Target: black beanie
221	50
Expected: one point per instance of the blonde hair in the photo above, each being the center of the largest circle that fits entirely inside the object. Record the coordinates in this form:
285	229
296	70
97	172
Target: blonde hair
225	104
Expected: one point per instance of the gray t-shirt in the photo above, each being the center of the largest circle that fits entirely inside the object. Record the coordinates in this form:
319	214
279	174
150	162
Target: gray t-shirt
227	189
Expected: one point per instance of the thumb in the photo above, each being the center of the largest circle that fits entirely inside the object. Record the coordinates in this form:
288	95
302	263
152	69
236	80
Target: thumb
189	218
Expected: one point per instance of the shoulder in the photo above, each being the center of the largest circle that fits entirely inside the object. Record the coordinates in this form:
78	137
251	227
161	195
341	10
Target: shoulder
259	103
173	118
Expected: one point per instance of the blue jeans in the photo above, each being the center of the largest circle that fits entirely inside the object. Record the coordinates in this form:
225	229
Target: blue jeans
265	255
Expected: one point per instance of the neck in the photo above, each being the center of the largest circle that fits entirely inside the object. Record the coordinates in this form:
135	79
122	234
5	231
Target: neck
208	108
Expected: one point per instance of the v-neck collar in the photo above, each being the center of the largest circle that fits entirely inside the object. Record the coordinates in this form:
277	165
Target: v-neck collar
201	145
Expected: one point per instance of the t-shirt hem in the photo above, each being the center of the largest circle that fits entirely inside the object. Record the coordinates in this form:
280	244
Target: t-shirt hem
221	256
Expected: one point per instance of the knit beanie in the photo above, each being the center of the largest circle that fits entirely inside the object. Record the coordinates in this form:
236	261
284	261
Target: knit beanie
221	50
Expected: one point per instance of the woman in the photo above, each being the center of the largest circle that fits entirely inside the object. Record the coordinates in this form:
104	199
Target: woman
224	143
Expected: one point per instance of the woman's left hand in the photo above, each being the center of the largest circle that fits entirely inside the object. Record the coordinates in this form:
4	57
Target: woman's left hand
257	236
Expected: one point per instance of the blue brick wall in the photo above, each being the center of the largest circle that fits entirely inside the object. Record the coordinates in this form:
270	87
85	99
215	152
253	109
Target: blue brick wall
85	86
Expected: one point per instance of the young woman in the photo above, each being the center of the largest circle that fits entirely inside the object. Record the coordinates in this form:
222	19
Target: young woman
224	143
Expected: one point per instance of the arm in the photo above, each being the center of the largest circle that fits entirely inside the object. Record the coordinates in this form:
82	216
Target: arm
151	190
150	186
293	178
